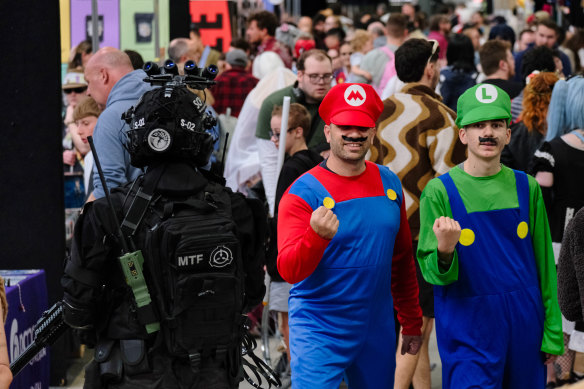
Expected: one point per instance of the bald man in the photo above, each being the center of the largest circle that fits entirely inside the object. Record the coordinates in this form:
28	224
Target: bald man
181	50
115	86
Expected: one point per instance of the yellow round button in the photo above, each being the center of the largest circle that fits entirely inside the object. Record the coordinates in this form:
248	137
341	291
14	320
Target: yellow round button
328	203
467	237
522	230
391	194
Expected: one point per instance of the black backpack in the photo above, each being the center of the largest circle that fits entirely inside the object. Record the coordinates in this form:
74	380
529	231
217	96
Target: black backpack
194	272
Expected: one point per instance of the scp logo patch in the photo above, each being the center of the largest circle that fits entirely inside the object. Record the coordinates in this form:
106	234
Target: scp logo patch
355	95
221	257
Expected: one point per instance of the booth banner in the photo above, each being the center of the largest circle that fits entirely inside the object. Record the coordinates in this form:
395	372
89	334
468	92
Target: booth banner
108	22
26	292
64	9
212	19
138	27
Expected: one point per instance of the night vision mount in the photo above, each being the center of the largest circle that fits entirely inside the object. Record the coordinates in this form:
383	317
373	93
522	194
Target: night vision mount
194	77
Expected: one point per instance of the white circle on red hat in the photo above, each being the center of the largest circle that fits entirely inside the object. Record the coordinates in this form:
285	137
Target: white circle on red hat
486	93
355	95
159	140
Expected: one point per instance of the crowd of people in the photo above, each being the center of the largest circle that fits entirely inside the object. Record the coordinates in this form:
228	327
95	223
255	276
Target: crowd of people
409	126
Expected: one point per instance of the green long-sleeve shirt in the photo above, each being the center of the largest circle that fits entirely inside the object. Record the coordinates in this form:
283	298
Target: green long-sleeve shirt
480	194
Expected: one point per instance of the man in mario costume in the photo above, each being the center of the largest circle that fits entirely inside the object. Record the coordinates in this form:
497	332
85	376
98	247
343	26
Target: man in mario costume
485	243
344	242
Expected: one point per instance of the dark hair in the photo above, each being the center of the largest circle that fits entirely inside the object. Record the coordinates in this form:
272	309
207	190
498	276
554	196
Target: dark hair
396	25
503	32
265	19
83	47
435	20
539	58
549	23
525	31
318	18
412	57
575	43
338	32
298	117
318	54
240	43
491	53
460	54
195	30
135	58
422	19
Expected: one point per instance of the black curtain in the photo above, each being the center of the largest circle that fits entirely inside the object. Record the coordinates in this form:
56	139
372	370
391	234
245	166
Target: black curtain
32	225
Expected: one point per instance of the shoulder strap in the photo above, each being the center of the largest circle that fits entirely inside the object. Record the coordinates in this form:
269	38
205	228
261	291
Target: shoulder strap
306	160
578	135
139	205
456	203
522	185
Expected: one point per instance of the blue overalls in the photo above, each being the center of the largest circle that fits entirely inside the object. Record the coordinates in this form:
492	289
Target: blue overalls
489	323
341	316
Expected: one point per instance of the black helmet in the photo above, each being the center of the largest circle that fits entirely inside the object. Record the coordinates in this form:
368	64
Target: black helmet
168	124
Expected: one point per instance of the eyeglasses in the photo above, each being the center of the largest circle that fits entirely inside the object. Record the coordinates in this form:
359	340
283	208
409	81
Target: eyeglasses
79	90
276	136
316	78
435	48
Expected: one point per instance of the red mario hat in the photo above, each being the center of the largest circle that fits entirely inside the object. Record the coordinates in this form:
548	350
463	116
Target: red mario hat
351	105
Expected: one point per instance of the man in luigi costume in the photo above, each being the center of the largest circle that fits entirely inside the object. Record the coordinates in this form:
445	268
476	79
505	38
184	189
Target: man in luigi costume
485	244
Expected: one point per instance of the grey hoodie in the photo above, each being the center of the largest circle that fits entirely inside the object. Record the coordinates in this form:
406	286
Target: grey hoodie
110	133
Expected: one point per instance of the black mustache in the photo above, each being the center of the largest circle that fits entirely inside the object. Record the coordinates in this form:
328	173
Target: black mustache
489	139
354	140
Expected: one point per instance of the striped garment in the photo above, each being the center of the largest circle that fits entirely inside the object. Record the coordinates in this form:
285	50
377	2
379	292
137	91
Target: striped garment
418	140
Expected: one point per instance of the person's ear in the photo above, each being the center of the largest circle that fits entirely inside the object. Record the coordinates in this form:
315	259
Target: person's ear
462	136
104	75
327	133
430	70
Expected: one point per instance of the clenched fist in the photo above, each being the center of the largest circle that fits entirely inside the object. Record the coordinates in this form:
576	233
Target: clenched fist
324	222
447	232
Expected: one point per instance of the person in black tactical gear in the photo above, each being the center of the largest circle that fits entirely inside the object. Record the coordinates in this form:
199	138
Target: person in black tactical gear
175	320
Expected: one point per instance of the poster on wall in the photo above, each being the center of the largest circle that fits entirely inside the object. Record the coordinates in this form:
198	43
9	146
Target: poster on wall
212	19
138	28
89	27
143	27
108	18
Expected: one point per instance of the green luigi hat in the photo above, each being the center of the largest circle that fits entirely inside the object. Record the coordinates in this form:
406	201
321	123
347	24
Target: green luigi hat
482	102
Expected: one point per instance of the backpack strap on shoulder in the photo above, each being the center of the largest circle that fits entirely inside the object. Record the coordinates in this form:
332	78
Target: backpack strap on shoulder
139	205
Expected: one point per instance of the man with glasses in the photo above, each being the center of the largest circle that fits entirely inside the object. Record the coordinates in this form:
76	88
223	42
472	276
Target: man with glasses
417	139
315	74
344	242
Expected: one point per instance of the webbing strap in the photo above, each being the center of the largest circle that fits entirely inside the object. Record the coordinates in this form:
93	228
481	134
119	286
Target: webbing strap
85	276
139	205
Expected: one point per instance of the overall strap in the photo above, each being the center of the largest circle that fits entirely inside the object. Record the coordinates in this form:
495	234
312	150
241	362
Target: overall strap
522	185
310	184
390	182
456	203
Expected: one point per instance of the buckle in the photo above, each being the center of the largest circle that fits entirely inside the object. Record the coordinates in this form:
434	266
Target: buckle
195	360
